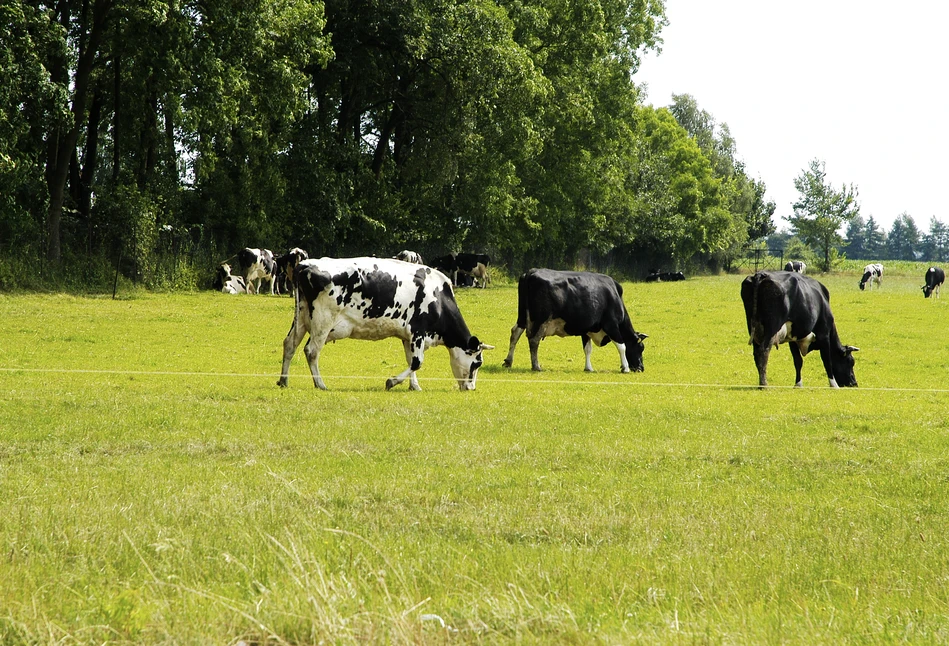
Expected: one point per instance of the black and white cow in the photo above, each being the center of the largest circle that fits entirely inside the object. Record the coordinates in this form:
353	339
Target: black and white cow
872	273
664	276
575	303
787	307
410	256
797	266
257	265
226	282
378	298
935	277
285	265
475	265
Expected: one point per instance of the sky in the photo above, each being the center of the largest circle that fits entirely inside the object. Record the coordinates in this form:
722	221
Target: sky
862	86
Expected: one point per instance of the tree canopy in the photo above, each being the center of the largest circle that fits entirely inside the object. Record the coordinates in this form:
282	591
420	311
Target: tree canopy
357	126
821	211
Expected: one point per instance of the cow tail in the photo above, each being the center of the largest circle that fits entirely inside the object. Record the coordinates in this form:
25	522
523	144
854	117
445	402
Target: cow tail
522	302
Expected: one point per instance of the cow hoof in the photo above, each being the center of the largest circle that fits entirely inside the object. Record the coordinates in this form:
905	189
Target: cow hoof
622	370
282	383
589	370
391	383
537	369
508	363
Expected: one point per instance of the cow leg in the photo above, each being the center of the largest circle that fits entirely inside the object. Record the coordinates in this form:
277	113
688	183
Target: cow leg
761	352
290	345
587	351
516	333
533	341
414	361
415	355
828	368
312	351
798	364
623	362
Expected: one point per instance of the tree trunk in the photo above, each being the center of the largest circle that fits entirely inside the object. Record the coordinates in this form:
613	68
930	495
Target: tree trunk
61	150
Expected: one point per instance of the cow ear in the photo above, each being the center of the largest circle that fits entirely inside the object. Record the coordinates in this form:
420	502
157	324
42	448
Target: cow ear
851	348
642	337
485	346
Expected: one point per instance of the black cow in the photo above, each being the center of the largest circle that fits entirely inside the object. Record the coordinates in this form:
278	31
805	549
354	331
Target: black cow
378	298
872	273
445	264
285	265
935	277
475	265
257	265
575	303
797	266
789	307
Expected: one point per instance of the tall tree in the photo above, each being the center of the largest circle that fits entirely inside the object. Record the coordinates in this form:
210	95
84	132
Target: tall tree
874	240
903	239
935	244
821	211
856	238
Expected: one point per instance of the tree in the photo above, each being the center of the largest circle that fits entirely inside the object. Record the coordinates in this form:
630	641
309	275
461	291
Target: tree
821	211
874	240
935	244
856	238
903	240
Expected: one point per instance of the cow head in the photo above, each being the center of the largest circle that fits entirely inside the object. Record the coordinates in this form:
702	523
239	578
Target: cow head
634	352
842	364
927	291
465	361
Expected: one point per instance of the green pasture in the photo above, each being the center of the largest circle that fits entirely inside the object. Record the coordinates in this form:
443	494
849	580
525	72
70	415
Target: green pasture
157	487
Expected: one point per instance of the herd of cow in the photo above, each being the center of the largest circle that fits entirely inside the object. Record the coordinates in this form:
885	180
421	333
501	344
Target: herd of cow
379	298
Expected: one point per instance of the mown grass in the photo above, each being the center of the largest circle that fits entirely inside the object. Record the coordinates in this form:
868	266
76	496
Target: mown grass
157	487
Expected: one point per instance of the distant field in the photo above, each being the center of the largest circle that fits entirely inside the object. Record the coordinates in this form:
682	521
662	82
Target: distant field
157	486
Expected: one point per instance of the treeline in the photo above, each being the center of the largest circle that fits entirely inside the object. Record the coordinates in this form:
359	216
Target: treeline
865	239
186	129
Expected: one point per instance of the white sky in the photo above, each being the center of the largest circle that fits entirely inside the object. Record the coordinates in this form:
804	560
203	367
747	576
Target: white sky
862	86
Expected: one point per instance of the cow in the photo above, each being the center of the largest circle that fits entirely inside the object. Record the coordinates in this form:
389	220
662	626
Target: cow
257	265
378	298
787	307
664	276
227	283
285	265
935	277
872	273
575	303
410	256
473	264
445	264
798	266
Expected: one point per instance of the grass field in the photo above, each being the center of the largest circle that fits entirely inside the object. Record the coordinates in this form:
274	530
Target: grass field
157	487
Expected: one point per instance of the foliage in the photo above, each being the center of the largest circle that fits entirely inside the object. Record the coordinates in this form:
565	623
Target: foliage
821	211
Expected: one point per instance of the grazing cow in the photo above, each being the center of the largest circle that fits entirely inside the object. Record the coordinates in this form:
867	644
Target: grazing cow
872	273
664	276
257	265
473	264
575	303
935	277
787	307
797	266
410	256
285	265
378	298
227	283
